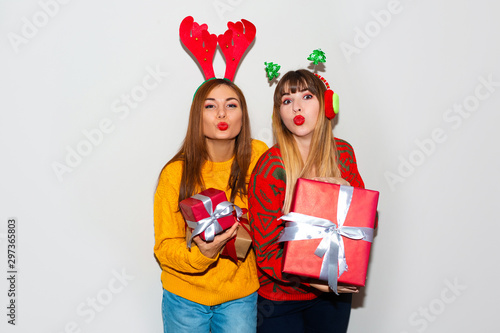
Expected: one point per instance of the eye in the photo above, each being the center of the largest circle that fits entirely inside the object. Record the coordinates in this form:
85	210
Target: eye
286	101
209	106
308	96
232	106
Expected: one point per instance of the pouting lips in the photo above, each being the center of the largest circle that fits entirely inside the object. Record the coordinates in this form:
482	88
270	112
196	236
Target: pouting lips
299	120
222	126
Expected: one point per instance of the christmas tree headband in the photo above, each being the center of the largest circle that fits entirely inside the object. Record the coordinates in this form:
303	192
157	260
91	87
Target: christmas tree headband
233	43
331	98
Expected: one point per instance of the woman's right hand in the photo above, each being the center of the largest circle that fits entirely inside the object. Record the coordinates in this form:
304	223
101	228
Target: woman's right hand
211	249
333	180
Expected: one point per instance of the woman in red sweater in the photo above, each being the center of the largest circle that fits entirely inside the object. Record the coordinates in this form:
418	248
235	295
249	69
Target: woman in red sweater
305	148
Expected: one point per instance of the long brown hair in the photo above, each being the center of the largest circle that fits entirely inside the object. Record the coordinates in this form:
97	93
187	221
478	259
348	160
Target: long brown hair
193	152
322	158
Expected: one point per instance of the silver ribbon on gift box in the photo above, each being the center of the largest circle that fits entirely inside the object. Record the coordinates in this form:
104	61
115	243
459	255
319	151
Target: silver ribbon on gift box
331	247
210	225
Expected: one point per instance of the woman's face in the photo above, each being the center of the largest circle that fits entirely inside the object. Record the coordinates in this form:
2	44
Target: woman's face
299	112
222	114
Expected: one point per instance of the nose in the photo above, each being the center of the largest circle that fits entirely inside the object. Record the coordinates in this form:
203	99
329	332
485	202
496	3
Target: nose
221	113
297	106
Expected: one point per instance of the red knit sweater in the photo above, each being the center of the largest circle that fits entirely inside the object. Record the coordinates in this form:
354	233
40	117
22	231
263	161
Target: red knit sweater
266	194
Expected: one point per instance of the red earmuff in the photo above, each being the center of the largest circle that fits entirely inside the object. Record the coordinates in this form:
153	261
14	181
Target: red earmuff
331	100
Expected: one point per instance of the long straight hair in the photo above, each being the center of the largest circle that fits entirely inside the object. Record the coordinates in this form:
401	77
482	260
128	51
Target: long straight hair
322	158
193	152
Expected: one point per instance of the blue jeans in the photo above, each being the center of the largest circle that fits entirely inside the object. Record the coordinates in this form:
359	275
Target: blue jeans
327	313
183	316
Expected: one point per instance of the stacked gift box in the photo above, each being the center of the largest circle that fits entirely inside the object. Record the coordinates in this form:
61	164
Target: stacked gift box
205	207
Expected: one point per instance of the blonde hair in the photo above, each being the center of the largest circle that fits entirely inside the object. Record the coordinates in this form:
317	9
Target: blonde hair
322	158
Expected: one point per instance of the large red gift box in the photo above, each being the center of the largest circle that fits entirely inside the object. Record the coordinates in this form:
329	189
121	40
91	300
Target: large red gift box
194	209
320	199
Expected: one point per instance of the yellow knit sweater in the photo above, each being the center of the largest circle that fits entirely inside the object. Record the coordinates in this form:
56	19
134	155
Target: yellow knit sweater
188	273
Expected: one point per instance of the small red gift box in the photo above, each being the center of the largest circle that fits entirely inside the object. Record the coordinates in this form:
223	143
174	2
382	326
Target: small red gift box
202	205
319	199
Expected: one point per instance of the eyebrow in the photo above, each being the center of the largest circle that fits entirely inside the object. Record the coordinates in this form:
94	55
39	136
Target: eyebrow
287	93
227	99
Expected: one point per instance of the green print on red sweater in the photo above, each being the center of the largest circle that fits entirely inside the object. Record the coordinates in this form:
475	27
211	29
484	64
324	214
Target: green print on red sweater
266	194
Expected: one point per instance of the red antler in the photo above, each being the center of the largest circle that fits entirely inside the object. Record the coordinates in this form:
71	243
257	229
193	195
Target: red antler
234	42
201	44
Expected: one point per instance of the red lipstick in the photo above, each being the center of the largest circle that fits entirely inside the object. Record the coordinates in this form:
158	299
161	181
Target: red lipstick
299	120
222	126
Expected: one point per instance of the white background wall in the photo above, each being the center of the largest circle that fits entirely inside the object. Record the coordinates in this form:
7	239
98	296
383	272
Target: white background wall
413	104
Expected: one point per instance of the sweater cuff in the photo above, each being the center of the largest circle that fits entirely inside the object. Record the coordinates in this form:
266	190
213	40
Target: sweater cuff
199	261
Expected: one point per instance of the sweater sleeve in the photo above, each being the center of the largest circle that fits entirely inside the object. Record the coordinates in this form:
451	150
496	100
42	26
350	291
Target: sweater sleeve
348	165
266	194
170	235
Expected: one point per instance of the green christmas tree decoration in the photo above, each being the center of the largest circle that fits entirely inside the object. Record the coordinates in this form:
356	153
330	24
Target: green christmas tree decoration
272	70
317	56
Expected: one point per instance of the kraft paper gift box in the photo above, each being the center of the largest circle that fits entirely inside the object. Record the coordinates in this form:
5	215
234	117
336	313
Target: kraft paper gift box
237	247
320	199
202	205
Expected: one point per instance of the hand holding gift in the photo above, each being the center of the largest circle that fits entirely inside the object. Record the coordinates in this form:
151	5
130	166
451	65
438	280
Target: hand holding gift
341	289
211	249
212	225
332	180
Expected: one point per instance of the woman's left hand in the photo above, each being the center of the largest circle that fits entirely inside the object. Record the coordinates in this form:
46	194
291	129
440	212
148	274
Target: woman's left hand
333	180
347	289
341	288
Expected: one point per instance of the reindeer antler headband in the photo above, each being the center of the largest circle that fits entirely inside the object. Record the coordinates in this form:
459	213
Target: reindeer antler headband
331	98
233	43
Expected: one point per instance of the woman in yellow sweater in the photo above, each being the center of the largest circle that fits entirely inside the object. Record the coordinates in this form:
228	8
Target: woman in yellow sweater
204	291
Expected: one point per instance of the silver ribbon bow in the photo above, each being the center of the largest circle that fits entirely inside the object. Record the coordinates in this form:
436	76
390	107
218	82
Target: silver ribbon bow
331	247
210	225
